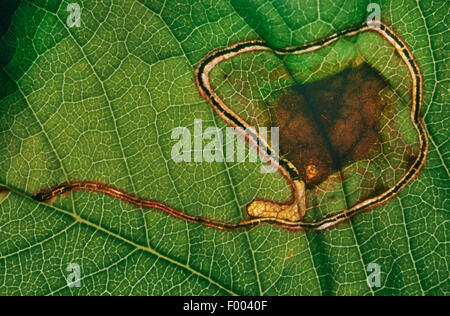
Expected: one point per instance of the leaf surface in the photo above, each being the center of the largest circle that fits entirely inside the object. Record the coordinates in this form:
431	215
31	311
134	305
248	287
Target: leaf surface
99	102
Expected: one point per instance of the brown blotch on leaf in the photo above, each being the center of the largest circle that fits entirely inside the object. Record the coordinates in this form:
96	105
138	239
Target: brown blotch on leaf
330	123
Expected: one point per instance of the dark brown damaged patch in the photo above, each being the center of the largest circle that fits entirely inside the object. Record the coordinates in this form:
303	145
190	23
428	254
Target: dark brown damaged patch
329	123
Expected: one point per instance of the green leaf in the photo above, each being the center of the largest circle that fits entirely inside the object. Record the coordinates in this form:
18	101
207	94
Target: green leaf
98	102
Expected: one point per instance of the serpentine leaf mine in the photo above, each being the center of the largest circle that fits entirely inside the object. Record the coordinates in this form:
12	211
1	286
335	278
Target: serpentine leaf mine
324	126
